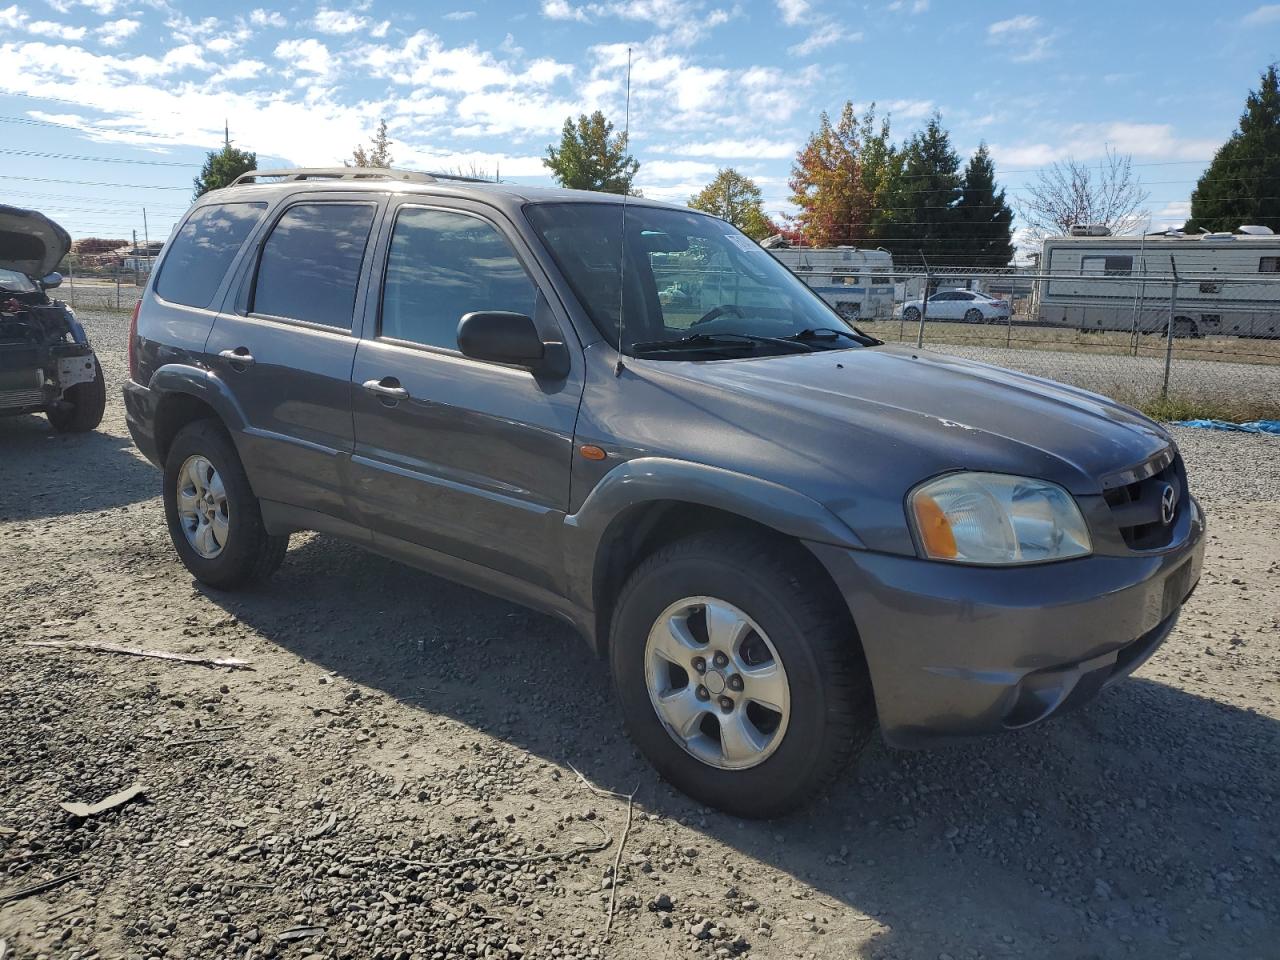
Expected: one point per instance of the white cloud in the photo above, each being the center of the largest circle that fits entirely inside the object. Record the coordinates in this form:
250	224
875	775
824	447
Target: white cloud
114	32
240	70
1019	24
677	169
339	21
460	15
1091	142
309	55
11	18
918	6
756	148
826	35
1267	13
793	12
267	18
562	10
56	31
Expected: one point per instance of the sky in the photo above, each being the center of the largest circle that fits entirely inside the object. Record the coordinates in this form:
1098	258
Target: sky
107	107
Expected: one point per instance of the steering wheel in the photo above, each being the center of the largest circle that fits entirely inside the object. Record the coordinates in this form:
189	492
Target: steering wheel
720	311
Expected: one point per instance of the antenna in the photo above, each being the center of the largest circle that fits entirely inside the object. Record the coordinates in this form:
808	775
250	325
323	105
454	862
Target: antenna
622	246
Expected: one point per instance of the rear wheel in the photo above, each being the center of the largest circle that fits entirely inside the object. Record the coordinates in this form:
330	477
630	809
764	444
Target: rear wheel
214	518
82	406
973	315
740	676
911	314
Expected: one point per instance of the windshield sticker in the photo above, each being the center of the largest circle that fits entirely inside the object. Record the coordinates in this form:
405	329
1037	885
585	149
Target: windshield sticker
741	242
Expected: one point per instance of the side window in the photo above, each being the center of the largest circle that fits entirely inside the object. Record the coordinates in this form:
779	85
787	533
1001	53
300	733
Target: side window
441	265
1269	264
1106	266
310	264
200	253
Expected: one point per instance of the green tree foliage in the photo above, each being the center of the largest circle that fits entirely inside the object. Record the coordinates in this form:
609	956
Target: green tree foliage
221	167
379	152
1242	184
983	220
736	198
929	194
881	170
827	183
591	157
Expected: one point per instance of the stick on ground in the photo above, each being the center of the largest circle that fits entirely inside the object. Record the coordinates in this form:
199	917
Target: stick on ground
231	663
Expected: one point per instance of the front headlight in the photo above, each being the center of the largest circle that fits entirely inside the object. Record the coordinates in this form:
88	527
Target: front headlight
994	518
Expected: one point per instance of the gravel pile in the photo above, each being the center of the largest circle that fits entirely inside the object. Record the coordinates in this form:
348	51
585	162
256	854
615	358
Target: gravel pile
390	778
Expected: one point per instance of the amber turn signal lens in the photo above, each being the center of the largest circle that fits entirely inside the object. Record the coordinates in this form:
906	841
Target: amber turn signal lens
934	527
591	452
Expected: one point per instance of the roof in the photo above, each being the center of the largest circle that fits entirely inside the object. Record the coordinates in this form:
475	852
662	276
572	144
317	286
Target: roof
364	179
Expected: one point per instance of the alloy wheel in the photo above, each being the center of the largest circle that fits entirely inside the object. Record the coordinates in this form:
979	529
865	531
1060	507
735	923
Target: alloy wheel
202	507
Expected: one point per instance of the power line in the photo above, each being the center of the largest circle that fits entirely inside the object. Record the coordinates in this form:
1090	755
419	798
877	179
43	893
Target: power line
72	156
94	183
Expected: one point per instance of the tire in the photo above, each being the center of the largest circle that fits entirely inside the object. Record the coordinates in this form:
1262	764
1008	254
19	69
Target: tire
82	407
246	553
973	315
784	594
911	315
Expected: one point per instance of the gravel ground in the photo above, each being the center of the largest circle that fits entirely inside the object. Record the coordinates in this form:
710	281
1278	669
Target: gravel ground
392	779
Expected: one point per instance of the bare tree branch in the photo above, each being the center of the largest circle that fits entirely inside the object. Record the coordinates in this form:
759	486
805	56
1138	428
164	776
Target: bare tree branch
1070	193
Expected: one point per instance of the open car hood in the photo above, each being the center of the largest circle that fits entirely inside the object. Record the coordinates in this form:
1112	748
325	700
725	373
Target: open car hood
30	242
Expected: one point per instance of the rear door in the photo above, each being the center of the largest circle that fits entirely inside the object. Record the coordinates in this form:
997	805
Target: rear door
287	348
467	458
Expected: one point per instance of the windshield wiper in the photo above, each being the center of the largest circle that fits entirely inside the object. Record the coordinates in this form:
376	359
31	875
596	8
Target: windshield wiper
719	341
831	333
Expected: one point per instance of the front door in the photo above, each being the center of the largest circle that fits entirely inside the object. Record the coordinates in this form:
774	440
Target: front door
460	456
286	354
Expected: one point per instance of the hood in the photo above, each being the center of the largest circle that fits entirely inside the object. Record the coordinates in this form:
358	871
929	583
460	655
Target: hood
30	242
890	412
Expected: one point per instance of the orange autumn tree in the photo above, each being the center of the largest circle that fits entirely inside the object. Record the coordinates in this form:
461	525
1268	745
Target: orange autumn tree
827	184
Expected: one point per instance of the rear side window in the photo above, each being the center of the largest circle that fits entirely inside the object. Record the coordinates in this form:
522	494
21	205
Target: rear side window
442	265
200	252
1269	264
310	264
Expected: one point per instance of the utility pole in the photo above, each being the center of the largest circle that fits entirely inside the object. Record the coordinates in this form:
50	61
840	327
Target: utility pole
146	239
226	134
135	259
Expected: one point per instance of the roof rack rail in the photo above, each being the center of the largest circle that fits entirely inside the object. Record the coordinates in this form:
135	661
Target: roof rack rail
345	173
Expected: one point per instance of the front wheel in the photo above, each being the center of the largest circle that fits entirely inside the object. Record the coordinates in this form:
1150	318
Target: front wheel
740	676
81	407
214	518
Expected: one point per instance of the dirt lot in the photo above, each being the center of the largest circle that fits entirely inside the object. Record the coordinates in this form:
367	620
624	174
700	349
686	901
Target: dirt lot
392	779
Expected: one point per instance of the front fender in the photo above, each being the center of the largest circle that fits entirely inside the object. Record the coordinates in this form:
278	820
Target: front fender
659	479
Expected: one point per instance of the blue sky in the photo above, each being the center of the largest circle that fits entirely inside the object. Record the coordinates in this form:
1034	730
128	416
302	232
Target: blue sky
488	83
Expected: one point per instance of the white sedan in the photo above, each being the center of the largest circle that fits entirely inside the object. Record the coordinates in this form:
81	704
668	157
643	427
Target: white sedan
966	305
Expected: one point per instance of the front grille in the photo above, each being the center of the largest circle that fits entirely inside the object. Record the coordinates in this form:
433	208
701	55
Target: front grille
1135	499
13	399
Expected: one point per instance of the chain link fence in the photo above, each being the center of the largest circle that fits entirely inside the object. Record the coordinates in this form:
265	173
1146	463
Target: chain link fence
114	287
1179	343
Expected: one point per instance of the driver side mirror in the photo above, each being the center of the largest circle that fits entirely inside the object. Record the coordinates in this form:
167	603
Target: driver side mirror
499	336
52	280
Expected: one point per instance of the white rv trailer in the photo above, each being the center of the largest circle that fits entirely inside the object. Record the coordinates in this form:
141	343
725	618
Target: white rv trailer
858	283
1093	281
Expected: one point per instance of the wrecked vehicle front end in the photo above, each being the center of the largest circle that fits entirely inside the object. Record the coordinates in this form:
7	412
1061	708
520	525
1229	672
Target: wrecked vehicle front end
46	362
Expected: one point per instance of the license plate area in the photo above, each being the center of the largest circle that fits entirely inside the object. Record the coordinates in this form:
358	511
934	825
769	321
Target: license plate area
1176	587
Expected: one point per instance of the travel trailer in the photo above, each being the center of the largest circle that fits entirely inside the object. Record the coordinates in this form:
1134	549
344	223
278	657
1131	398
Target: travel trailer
1229	283
857	282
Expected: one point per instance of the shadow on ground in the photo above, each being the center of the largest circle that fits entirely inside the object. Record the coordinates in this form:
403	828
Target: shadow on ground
1083	838
46	474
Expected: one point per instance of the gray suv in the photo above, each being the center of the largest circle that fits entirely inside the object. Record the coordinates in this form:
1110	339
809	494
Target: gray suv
778	529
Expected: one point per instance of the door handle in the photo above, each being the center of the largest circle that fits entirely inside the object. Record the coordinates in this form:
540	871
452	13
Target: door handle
388	388
239	358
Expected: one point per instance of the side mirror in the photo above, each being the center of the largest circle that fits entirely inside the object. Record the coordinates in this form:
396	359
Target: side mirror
51	281
502	337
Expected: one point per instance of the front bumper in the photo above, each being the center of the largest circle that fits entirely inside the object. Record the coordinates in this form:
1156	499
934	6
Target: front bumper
956	650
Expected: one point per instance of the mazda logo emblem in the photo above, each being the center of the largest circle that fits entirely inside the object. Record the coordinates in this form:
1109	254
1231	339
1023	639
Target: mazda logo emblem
1168	503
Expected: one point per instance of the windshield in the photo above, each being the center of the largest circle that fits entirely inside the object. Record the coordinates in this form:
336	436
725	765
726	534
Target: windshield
692	285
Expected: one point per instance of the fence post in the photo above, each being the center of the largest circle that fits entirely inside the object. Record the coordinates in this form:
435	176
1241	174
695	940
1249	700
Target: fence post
1168	340
924	305
71	276
117	288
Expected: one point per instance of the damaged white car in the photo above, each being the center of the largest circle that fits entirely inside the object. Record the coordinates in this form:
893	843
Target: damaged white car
46	362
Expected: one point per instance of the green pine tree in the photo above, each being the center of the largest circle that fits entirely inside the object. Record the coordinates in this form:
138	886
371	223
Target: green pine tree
591	157
1242	184
221	167
983	220
929	194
